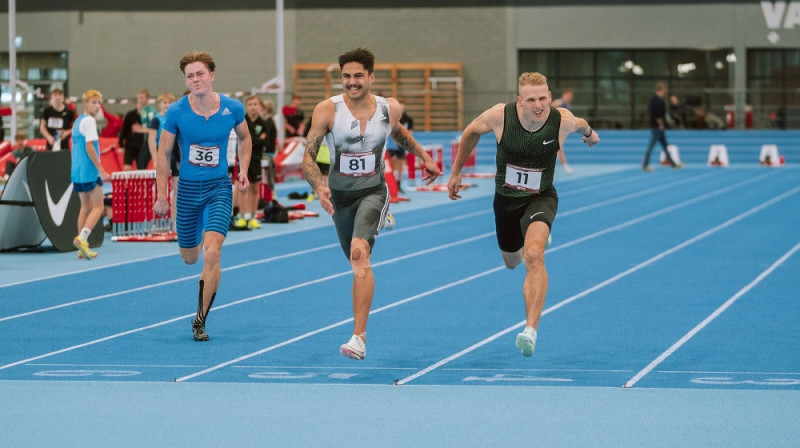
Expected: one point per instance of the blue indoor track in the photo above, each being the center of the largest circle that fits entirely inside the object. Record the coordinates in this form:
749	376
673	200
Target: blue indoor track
672	319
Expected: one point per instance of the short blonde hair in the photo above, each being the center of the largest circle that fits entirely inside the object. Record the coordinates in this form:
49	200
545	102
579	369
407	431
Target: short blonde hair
269	105
89	94
532	79
165	96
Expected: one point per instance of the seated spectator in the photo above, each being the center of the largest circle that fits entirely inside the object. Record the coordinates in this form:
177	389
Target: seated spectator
20	151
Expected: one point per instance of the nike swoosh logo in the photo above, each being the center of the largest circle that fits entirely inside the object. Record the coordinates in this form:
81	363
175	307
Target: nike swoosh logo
547	143
58	209
537	213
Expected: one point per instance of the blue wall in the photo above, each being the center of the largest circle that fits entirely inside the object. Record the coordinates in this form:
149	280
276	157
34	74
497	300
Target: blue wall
618	146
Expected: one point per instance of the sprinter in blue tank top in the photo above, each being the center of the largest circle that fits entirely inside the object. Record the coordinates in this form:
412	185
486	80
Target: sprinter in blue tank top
529	133
356	125
201	121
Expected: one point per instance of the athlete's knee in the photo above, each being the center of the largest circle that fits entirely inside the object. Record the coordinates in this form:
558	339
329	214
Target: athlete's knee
512	260
533	255
211	255
190	256
359	258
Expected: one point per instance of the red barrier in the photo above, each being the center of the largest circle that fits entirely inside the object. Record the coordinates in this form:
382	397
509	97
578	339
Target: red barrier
471	162
437	154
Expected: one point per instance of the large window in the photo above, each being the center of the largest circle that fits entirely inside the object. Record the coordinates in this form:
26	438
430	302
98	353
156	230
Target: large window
773	86
612	87
38	73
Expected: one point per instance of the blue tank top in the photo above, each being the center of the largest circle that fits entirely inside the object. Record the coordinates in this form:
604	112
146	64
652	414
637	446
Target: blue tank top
203	143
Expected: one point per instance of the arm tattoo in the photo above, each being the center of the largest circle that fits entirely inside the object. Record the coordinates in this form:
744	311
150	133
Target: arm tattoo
406	141
310	168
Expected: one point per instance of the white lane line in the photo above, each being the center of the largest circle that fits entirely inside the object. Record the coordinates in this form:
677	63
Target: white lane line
683	340
406	229
338	324
194	277
601	285
171	254
249	299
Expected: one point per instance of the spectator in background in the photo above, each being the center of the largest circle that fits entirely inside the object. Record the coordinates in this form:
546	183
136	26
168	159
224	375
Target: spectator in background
677	112
267	110
658	116
247	200
19	152
133	135
564	102
294	120
56	122
87	174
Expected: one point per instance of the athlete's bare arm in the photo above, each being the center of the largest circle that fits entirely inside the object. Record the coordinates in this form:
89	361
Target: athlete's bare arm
490	120
570	123
245	148
321	123
165	145
403	137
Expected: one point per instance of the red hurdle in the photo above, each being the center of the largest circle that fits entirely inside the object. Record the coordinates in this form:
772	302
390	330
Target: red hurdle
133	194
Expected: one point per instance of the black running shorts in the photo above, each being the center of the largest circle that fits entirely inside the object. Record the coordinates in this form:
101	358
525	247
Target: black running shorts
512	216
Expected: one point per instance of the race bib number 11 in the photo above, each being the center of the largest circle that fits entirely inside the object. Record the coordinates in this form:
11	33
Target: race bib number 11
526	179
204	155
357	164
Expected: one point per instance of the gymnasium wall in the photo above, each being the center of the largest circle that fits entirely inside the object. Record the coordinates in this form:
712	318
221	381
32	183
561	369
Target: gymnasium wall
119	52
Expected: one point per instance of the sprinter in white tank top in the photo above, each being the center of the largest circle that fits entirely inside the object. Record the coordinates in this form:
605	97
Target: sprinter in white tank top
356	125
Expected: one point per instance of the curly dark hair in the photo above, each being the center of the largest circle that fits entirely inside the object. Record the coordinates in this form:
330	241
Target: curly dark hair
360	55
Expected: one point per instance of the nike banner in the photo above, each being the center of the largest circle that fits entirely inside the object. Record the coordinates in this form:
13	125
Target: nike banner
38	202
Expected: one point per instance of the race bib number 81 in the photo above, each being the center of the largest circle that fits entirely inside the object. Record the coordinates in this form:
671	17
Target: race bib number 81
204	155
526	179
357	164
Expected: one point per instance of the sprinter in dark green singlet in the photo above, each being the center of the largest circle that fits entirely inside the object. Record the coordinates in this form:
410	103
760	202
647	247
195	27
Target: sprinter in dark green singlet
529	134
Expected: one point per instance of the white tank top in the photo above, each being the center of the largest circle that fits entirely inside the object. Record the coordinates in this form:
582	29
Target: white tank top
357	160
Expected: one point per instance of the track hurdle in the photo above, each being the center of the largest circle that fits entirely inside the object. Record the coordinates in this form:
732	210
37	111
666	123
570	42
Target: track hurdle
437	154
769	156
674	154
132	198
718	155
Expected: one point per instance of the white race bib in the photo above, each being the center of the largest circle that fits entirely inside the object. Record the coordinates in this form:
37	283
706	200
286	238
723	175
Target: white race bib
526	179
357	164
204	155
55	123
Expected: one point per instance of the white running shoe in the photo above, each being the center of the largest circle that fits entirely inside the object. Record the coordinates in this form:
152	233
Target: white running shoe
526	341
354	349
388	223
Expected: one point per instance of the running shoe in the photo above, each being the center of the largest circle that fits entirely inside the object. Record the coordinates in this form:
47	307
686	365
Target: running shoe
647	169
199	331
526	341
83	248
389	222
678	166
354	349
253	224
549	240
239	223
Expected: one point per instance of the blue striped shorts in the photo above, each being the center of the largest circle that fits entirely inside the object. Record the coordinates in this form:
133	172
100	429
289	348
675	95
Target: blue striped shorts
202	205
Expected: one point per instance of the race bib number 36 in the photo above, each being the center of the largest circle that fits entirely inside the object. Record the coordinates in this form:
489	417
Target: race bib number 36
204	155
357	164
526	179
